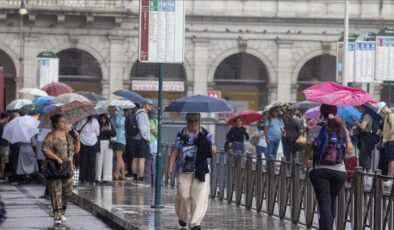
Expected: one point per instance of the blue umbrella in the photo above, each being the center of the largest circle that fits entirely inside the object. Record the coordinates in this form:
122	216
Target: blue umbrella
42	101
349	113
92	96
132	96
199	104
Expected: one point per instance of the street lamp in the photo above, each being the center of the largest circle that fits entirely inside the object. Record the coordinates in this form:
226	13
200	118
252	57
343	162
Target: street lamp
23	10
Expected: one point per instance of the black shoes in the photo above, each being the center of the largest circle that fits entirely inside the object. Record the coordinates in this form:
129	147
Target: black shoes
182	224
198	227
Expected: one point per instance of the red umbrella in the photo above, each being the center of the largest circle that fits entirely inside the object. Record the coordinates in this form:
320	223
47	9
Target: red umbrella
334	94
247	116
57	88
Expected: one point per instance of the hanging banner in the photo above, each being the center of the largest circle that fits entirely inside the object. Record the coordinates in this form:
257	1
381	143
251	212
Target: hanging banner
161	31
364	58
350	58
385	55
47	68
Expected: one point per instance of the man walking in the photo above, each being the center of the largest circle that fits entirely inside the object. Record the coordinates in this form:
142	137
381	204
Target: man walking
141	141
388	137
195	146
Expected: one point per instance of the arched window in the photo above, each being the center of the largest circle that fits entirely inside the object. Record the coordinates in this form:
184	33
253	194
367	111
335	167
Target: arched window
242	78
9	77
318	69
80	70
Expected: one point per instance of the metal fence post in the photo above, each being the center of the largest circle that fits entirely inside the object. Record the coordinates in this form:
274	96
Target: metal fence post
230	177
377	198
259	184
295	195
222	175
309	213
271	186
358	198
249	183
282	189
238	180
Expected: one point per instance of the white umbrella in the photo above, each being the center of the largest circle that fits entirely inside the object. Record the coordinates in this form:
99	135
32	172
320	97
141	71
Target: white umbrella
21	129
34	92
69	97
18	104
123	104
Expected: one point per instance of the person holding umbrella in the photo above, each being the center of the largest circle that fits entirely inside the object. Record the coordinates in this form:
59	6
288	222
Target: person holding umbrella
193	148
60	146
118	122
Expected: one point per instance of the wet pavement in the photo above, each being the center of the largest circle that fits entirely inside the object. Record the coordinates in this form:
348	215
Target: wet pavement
26	210
124	202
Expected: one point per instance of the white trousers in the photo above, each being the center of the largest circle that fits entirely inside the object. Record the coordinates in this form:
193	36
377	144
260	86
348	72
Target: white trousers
104	160
192	198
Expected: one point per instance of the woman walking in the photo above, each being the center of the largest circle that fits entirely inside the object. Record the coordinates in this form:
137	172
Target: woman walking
104	159
236	137
60	146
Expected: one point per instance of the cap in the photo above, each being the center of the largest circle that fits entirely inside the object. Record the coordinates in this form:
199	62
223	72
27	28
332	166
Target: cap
147	101
381	105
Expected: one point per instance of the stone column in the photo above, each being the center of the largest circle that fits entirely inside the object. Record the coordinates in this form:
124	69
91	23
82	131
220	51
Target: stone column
284	71
200	72
116	65
30	51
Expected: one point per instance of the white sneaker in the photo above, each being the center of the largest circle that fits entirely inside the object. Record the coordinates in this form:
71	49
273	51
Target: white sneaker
64	219
58	222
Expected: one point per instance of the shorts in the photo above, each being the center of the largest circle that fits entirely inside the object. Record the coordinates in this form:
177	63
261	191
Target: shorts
116	146
389	151
142	149
130	149
4	153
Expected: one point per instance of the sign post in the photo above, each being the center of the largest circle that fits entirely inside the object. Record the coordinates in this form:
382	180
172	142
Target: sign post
341	76
161	40
47	68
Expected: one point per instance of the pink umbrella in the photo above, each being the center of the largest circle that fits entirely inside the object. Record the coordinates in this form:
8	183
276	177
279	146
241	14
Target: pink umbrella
334	94
247	116
57	88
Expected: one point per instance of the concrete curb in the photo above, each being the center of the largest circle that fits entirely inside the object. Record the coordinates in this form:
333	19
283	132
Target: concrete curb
108	217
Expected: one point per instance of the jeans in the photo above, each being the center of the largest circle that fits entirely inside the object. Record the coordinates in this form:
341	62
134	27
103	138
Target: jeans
366	146
272	148
261	150
327	184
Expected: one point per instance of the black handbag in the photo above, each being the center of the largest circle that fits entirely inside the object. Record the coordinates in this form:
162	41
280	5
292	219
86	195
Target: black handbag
55	171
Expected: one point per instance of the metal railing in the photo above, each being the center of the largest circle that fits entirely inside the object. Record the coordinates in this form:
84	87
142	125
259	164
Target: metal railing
283	189
61	4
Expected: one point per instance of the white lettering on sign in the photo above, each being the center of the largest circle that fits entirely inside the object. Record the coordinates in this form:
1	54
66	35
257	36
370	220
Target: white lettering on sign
168	86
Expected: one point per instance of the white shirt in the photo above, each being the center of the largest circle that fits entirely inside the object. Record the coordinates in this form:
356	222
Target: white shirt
262	140
90	131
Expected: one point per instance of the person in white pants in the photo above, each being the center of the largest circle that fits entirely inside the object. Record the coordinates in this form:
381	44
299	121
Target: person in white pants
192	168
104	157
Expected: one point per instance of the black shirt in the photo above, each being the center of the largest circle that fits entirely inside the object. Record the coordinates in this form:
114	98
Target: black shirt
292	127
237	134
106	135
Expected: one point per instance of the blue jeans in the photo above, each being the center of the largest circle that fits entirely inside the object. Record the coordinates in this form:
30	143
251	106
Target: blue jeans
261	150
327	184
272	148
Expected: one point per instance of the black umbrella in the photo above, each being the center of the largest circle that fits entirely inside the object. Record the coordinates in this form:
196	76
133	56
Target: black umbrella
199	104
304	105
130	95
92	96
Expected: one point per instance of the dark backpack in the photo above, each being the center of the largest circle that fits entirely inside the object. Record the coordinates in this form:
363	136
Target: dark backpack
329	147
131	125
374	130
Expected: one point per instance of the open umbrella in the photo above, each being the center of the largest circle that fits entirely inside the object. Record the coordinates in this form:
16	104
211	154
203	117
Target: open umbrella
132	96
72	112
57	88
123	104
334	94
34	92
247	116
20	129
69	97
199	104
347	113
18	104
42	101
304	105
92	96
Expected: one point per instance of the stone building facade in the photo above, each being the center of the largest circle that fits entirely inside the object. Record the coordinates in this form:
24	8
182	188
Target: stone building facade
253	52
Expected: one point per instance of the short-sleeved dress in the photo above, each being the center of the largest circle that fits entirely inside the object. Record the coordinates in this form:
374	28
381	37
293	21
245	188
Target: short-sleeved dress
64	150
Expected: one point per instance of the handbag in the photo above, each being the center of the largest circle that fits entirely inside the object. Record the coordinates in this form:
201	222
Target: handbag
55	171
301	140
